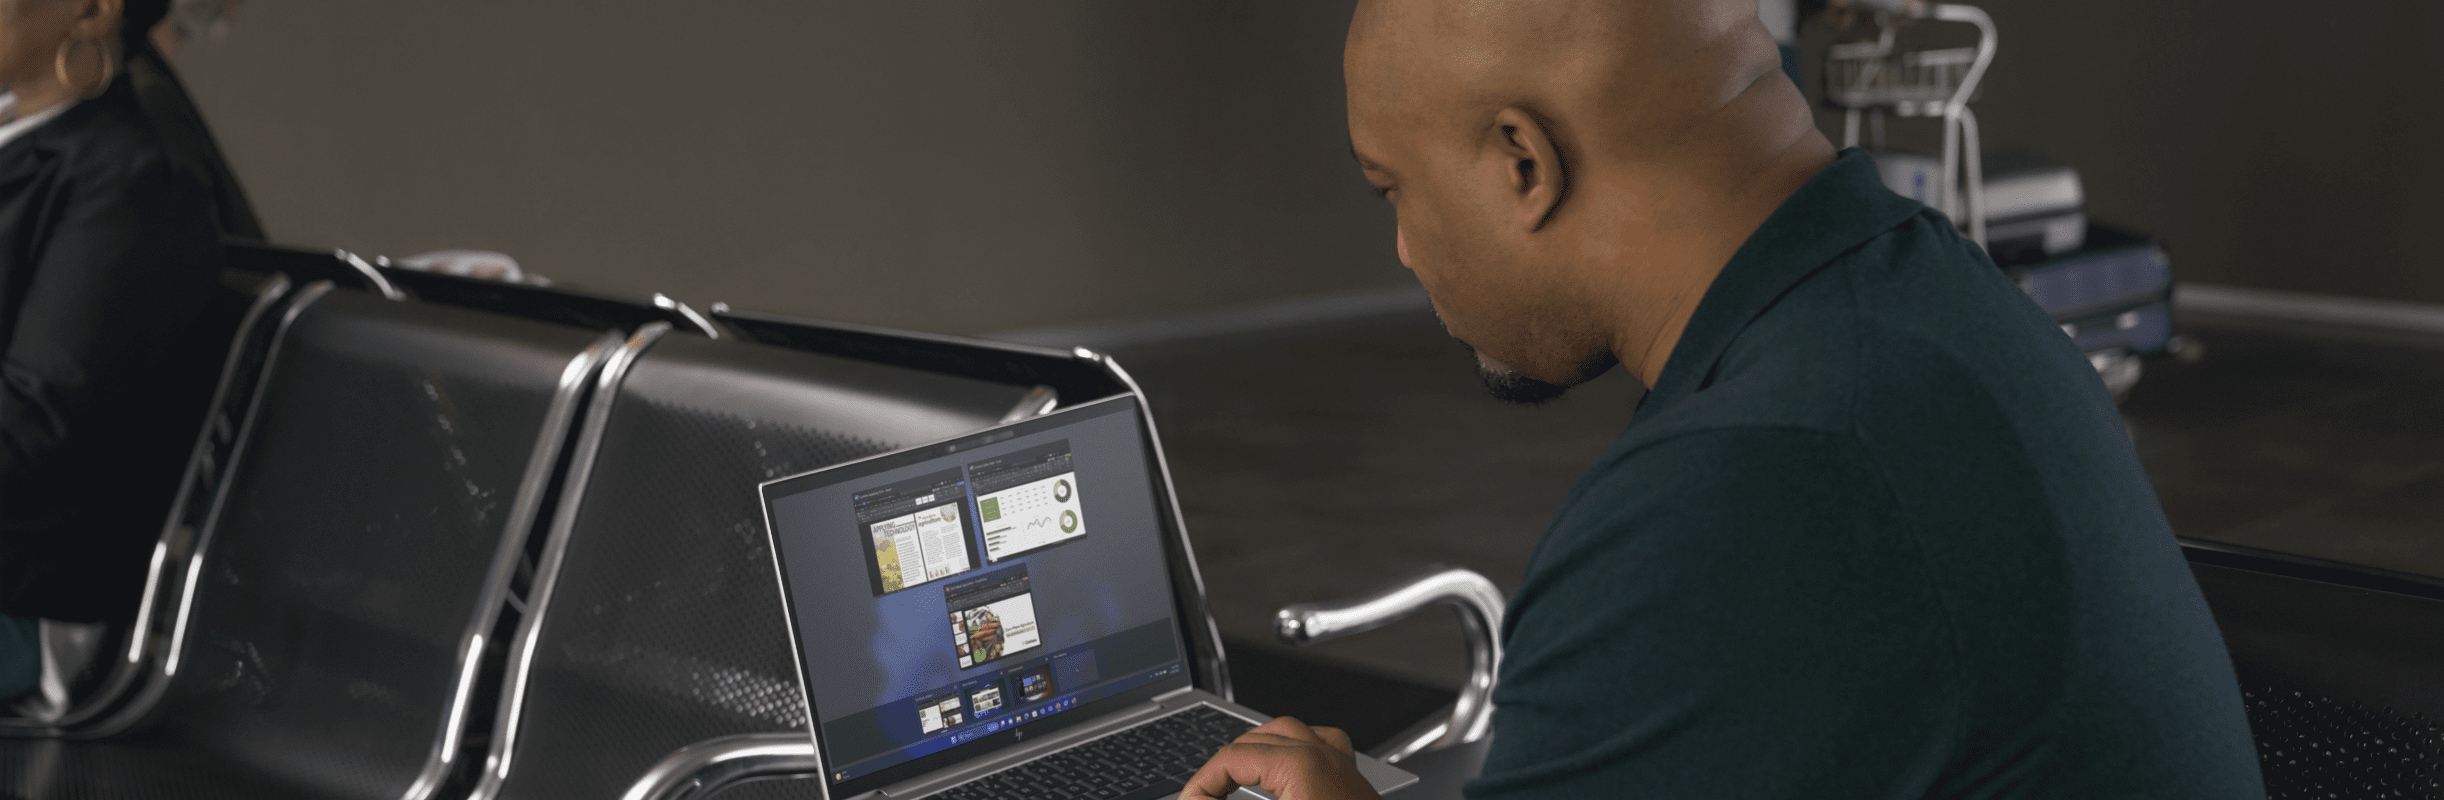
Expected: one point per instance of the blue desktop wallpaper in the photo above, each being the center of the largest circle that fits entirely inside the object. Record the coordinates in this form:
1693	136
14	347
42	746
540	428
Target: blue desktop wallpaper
864	652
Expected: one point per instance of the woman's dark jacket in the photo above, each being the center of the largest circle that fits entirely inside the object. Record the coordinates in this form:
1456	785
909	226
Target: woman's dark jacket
188	142
108	253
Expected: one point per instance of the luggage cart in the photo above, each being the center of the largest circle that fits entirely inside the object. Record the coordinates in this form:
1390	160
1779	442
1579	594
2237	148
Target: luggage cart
2112	296
1867	80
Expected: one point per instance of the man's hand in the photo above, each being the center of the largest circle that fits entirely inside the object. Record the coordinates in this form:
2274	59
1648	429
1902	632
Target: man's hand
1288	759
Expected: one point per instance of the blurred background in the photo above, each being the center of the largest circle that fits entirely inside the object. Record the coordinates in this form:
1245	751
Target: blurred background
1108	159
1171	182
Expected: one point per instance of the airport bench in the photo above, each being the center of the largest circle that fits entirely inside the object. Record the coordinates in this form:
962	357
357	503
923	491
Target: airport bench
443	537
323	630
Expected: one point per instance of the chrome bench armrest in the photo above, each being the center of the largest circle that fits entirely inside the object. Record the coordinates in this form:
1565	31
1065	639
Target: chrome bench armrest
701	769
1480	606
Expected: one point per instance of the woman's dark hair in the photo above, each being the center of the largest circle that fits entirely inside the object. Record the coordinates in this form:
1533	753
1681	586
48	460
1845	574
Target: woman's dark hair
136	21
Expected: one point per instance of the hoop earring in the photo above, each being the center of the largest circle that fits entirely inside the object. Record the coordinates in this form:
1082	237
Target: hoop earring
59	69
110	69
59	63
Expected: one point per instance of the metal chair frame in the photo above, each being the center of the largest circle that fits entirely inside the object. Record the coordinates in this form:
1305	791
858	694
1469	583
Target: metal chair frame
503	751
532	486
1469	719
444	754
142	645
157	680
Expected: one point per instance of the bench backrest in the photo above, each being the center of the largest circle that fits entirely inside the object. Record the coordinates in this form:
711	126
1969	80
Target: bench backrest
2337	667
220	361
395	456
656	619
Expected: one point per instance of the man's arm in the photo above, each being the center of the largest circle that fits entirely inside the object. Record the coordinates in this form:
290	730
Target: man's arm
1727	614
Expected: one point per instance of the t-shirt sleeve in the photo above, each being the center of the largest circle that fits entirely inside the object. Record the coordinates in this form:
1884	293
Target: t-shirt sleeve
1737	613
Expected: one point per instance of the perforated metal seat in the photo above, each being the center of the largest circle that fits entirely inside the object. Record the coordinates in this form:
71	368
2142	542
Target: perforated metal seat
352	564
2338	669
656	618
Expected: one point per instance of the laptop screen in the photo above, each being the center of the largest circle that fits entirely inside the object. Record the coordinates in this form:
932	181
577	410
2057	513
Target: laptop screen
958	597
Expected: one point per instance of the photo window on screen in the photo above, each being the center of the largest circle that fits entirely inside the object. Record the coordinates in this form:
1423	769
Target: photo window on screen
992	616
935	714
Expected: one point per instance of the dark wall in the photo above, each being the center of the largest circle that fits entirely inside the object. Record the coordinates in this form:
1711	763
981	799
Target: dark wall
933	164
970	167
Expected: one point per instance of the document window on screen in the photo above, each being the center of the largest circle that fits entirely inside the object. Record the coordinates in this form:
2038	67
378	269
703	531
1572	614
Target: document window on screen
916	531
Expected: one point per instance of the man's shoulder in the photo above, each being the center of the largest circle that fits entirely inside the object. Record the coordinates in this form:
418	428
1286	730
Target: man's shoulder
1713	477
1915	318
1804	360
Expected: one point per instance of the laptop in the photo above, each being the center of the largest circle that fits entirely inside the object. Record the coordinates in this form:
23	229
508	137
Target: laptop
1003	614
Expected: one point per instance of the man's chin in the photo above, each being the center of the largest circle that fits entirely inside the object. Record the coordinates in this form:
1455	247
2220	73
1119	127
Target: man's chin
1516	389
1511	386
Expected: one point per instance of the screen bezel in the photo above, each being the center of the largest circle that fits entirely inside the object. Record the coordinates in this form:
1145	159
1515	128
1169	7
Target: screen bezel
1187	608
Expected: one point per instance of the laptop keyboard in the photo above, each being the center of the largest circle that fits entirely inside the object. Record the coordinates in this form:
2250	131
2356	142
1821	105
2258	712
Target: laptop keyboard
1148	761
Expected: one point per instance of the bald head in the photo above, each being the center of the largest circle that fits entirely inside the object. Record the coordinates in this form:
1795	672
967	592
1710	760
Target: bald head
1634	69
1563	169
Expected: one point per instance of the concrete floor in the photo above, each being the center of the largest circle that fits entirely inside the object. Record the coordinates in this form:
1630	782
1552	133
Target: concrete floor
1317	462
2316	442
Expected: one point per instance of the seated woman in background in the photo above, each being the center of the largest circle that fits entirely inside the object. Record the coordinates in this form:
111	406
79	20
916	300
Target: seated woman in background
108	253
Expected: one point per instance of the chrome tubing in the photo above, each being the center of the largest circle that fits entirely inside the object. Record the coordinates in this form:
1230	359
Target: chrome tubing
699	770
381	284
703	325
521	653
1480	606
158	675
142	646
568	398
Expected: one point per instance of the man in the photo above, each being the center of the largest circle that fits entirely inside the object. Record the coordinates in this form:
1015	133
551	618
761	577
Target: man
1875	530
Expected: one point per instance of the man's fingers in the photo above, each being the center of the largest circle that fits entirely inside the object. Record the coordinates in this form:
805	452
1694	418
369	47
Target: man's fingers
1339	739
1293	728
1290	727
1284	757
1271	739
1242	763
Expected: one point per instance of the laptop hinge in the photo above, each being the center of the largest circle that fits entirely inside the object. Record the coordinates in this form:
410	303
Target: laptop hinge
1160	699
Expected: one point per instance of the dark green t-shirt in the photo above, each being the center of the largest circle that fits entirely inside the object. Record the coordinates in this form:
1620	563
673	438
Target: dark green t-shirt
1877	532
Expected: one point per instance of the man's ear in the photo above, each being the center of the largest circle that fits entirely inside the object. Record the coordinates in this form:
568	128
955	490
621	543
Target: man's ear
1538	180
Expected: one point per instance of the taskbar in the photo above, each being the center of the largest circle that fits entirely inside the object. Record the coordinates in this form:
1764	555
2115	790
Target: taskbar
1014	719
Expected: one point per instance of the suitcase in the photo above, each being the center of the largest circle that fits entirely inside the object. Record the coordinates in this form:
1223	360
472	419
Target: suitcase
2114	292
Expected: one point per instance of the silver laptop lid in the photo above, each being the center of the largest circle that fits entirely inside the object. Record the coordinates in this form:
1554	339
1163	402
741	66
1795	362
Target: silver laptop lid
948	599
